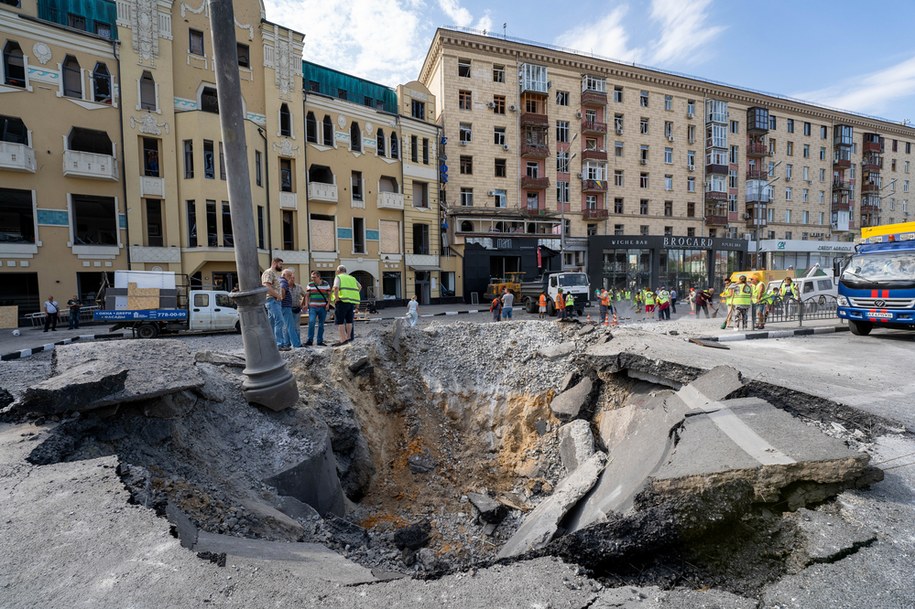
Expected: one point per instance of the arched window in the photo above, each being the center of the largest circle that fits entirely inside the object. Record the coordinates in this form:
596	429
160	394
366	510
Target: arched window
355	137
285	121
13	65
311	128
466	226
208	100
328	131
147	92
394	145
380	142
101	84
72	77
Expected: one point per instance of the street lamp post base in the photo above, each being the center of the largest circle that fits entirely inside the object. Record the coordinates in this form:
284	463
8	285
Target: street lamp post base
268	383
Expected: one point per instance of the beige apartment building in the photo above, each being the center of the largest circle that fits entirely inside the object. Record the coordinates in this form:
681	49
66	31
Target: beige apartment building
62	203
112	156
641	176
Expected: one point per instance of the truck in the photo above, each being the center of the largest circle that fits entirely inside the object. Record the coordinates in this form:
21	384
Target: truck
575	282
877	283
152	303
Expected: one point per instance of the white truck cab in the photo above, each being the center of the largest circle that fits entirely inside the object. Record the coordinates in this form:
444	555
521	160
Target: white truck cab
211	311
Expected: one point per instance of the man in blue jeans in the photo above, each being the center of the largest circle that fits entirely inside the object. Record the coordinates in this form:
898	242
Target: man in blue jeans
316	297
270	279
291	302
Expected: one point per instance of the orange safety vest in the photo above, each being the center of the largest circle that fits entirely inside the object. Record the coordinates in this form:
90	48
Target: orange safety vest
605	300
560	301
542	301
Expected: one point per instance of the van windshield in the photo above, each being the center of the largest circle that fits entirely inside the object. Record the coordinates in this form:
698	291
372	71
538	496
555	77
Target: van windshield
573	279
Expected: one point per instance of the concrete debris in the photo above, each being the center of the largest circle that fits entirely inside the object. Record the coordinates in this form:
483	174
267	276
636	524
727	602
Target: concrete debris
414	536
313	481
220	359
543	522
574	402
568	380
422	463
361	366
576	443
557	351
488	509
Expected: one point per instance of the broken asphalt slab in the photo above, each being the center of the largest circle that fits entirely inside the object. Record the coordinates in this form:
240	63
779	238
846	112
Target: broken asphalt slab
108	374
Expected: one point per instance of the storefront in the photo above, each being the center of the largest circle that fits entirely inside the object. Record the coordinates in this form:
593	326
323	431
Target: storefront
800	255
650	262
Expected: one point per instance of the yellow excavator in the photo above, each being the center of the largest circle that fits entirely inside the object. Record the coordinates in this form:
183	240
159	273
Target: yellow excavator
512	281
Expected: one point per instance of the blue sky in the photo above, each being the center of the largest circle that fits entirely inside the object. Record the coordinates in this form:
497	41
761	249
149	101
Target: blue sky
850	55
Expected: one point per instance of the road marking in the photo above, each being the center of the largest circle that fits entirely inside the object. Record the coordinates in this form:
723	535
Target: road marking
733	427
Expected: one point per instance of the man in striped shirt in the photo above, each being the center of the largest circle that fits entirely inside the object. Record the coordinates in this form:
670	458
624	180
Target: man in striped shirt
316	296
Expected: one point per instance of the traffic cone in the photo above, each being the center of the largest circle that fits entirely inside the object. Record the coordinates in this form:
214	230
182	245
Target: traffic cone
616	320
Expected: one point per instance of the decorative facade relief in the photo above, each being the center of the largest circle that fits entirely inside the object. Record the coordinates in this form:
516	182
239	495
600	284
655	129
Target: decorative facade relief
286	63
148	125
42	52
144	21
285	148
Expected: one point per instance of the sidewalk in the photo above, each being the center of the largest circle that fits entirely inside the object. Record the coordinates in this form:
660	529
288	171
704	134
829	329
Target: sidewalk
36	340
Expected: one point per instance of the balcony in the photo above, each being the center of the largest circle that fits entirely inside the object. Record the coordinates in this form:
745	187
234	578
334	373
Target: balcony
841	164
873	147
712	168
594	154
535	211
590	97
751	216
594	185
716	195
321	191
717	218
593	128
841	185
529	183
872	163
868	187
390	200
78	164
757	174
17	157
594	214
529	119
535	151
757	149
151	186
756	195
870	202
288	200
841	203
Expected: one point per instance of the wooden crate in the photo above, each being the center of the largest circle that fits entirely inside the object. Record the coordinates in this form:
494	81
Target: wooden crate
142	298
9	317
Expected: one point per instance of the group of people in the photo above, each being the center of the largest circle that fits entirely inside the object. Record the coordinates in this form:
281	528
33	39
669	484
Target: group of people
661	301
503	305
52	313
286	299
743	294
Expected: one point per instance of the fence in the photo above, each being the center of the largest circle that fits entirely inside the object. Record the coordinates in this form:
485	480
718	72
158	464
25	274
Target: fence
797	310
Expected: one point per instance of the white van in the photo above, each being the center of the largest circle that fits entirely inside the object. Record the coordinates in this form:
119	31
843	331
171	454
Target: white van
813	288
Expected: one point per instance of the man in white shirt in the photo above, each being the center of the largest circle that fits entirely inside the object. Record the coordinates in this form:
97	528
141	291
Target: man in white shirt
51	311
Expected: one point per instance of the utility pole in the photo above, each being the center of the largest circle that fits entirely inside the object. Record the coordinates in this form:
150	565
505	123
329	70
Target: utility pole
268	382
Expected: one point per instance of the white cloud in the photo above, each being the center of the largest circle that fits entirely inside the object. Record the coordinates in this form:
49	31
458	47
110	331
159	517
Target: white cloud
381	40
606	37
870	93
684	29
484	23
457	13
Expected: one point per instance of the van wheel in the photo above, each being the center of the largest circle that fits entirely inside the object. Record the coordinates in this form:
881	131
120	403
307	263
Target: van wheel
238	327
860	328
148	331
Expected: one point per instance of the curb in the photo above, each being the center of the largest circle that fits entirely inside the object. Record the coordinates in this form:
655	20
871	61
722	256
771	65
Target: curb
51	346
725	338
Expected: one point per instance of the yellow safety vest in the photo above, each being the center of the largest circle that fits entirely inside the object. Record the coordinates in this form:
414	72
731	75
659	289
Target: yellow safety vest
758	290
349	289
743	295
788	287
